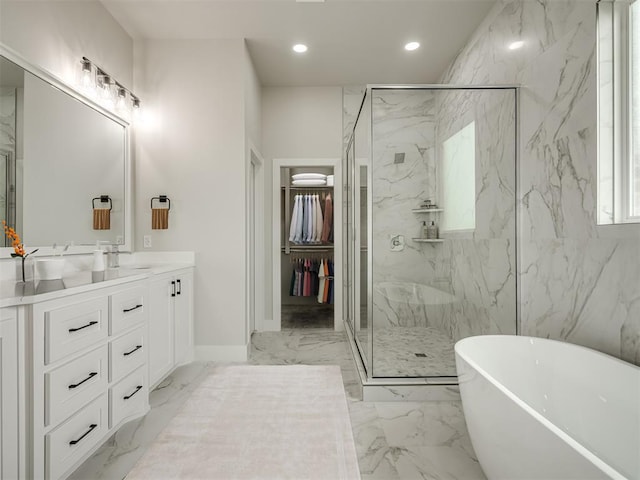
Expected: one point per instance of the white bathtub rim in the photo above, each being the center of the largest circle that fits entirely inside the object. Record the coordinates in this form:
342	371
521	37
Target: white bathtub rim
568	439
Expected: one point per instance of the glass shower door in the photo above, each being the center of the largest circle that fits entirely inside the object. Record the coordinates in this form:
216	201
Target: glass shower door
441	158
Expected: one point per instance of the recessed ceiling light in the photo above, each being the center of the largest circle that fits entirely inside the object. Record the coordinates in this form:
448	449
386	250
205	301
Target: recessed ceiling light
516	45
412	46
300	48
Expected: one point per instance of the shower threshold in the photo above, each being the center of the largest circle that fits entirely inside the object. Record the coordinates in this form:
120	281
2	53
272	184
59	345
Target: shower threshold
417	389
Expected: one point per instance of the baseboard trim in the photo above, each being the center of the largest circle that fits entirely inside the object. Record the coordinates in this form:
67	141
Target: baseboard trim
222	353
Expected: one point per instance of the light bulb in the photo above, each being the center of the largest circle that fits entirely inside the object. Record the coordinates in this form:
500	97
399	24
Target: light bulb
121	103
412	46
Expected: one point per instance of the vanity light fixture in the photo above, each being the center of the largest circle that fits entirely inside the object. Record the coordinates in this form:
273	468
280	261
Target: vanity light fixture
412	46
121	103
87	70
111	92
300	48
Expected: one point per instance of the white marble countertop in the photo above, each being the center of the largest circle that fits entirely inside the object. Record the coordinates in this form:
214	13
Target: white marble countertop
13	293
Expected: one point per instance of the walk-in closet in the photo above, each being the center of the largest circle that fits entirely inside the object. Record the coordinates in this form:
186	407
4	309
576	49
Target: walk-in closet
309	292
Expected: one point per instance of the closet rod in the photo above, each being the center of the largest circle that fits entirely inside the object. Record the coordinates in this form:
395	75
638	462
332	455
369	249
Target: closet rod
310	248
309	189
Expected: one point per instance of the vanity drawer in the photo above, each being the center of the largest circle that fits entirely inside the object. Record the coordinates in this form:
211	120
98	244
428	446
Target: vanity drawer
72	328
69	387
65	445
128	308
127	353
129	397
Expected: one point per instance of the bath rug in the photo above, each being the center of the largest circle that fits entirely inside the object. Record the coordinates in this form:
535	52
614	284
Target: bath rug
266	422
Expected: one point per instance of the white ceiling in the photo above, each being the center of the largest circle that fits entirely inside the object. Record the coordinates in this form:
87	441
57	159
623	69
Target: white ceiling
351	42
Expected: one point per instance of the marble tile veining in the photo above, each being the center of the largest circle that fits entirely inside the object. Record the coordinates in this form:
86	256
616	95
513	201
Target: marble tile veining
578	281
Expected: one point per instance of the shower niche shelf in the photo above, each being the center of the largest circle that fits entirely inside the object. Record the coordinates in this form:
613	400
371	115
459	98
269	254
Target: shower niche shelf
428	240
427	210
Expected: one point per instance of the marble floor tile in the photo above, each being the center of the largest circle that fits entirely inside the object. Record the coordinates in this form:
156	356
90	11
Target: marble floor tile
393	440
435	463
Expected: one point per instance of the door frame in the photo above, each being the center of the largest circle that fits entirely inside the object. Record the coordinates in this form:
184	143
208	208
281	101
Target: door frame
255	284
336	164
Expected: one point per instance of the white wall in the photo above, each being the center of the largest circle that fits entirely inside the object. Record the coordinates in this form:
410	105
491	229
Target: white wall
253	101
55	35
191	147
297	122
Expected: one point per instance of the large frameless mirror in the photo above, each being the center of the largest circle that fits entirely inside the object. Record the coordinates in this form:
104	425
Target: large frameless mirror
61	160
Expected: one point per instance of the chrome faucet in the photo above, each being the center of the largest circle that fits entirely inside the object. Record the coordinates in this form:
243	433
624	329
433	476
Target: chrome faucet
113	256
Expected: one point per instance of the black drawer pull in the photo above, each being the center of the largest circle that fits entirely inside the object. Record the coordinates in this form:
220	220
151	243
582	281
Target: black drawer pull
71	330
173	288
132	308
91	375
138	388
179	286
91	427
126	354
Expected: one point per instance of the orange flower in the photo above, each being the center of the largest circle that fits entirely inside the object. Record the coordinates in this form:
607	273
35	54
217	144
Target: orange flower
18	247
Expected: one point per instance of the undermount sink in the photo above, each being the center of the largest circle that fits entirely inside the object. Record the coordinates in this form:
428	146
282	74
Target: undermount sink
135	267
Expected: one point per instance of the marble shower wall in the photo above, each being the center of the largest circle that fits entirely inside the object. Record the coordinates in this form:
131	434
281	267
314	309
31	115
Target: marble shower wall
474	269
481	264
403	122
579	282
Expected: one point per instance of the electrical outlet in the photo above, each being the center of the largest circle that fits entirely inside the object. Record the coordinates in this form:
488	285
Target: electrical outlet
147	241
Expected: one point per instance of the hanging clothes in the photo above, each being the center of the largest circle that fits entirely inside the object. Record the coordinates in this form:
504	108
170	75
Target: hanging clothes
297	220
294	218
327	229
318	219
312	278
309	224
321	281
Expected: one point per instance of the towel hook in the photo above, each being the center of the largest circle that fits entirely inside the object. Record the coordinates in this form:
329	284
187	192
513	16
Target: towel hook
103	199
161	199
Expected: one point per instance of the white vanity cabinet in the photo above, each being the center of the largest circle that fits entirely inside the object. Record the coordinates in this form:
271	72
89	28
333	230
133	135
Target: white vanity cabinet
89	372
75	362
170	323
9	395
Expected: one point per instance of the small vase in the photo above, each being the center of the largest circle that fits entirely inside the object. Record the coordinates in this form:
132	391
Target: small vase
24	269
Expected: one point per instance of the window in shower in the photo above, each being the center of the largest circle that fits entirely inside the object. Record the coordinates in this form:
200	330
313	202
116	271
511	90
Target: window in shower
618	112
458	173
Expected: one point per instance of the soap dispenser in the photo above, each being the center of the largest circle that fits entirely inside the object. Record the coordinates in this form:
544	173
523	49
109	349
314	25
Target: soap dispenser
432	231
98	261
425	230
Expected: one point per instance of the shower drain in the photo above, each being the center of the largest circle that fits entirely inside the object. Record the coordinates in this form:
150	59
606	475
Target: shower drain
421	355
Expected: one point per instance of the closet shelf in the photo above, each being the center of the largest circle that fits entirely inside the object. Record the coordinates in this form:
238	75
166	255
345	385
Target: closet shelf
306	189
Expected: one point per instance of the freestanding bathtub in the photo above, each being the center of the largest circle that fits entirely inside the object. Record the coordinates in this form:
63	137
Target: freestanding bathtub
541	409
